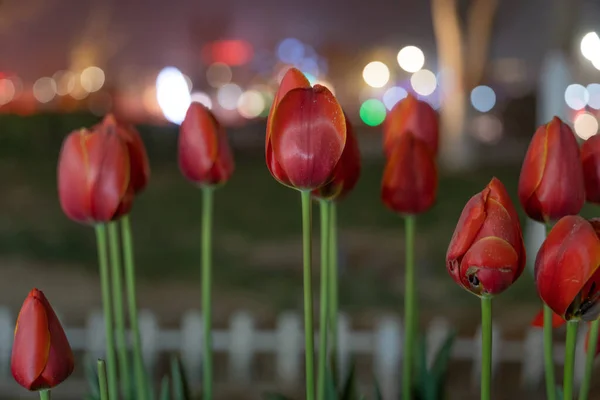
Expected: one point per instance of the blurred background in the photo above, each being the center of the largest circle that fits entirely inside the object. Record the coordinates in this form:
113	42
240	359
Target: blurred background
494	70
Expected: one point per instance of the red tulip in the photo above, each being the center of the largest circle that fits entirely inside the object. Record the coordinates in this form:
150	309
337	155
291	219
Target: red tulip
538	321
204	154
138	158
590	158
410	177
41	354
93	176
551	182
587	342
411	115
566	269
306	134
346	172
486	254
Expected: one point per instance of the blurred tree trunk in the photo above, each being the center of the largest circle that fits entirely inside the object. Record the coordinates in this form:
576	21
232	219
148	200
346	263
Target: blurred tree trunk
462	59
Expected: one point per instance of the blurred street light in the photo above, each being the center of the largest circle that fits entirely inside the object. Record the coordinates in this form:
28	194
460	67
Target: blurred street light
590	46
411	59
172	94
376	74
585	125
423	82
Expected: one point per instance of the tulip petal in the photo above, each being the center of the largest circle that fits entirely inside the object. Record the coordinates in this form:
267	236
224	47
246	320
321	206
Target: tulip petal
566	261
198	142
590	158
538	320
308	136
31	345
410	177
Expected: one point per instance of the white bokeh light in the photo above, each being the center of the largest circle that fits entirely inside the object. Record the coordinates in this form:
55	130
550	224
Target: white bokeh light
411	58
590	46
44	89
576	96
7	91
228	96
593	90
172	94
251	104
92	79
202	98
585	125
393	95
423	82
483	98
376	74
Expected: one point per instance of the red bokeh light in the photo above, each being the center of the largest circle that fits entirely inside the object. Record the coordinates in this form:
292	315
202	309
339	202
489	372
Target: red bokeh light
231	52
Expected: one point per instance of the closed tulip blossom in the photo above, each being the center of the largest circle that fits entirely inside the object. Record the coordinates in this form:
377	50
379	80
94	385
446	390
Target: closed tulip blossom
414	116
41	355
94	176
306	133
566	269
410	180
205	157
486	254
590	159
551	182
346	172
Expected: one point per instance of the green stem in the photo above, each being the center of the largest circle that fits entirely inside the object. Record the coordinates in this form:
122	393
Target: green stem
333	281
548	349
325	219
207	211
409	307
486	347
102	380
138	360
117	292
308	306
569	360
45	395
589	360
106	307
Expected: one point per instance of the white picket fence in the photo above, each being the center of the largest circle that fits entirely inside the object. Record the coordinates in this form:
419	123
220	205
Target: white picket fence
242	341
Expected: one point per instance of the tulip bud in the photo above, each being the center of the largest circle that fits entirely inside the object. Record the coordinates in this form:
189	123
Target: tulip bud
486	254
138	158
590	159
567	276
204	154
346	172
410	177
551	182
307	135
414	116
41	354
538	321
93	176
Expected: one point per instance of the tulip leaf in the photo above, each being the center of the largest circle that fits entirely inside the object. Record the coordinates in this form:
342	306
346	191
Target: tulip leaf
377	395
275	396
91	375
429	383
559	393
180	386
165	389
442	359
330	390
349	391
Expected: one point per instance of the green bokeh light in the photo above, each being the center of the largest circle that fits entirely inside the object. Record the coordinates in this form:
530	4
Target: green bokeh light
372	112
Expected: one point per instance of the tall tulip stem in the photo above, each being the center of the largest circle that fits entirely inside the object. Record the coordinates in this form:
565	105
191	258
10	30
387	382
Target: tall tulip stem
324	298
138	361
207	211
486	347
308	304
106	307
548	350
102	380
409	306
117	297
45	395
333	281
589	360
569	360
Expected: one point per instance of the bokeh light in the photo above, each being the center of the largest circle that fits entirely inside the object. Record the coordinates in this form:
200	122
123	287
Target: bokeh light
590	46
376	74
585	125
393	95
92	79
44	89
290	51
65	82
423	82
576	96
593	90
202	98
372	112
7	91
487	128
483	98
411	59
172	94
251	104
228	96
309	66
218	74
